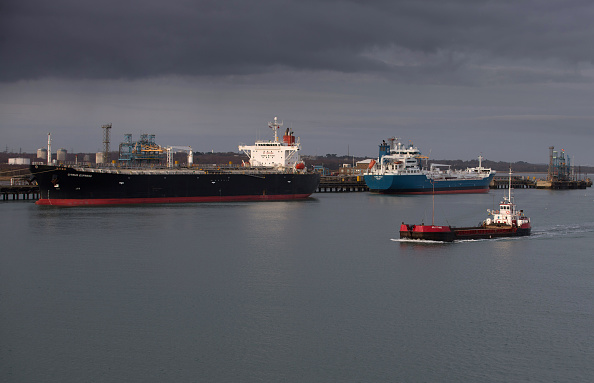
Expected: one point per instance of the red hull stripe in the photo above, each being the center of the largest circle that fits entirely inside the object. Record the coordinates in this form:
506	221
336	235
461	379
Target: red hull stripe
431	229
127	201
425	228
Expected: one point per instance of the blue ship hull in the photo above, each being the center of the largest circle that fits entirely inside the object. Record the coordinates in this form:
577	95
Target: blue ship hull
421	184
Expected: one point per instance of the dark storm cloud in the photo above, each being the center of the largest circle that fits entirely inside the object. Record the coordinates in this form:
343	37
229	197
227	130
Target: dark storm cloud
139	39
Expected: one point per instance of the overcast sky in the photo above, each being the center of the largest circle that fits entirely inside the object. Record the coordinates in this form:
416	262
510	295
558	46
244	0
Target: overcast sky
458	78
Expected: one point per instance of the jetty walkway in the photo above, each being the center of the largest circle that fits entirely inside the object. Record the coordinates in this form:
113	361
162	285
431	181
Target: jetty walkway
17	192
18	187
522	182
342	184
518	182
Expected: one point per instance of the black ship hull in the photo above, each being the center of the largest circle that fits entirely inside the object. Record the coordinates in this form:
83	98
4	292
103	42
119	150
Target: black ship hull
69	186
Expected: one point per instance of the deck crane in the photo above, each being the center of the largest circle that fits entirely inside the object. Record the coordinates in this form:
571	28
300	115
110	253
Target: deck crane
173	149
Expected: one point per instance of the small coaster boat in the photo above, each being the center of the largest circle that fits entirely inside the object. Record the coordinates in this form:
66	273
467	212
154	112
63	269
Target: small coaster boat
508	221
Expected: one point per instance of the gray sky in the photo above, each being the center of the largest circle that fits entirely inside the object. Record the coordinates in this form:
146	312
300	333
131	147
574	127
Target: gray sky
459	78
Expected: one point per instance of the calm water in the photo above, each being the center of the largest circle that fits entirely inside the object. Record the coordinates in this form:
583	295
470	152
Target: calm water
313	291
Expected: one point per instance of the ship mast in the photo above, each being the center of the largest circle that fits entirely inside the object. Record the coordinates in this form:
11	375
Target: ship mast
275	126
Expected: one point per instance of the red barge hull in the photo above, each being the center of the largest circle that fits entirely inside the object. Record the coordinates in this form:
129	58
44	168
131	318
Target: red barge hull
450	234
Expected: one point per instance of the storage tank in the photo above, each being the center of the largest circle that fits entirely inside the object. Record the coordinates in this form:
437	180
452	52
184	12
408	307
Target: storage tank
42	153
99	159
19	161
61	155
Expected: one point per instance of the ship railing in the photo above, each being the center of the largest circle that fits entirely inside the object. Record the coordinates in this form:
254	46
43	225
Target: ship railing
163	169
185	170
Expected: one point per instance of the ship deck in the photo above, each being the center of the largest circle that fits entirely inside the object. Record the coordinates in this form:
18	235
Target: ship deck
197	169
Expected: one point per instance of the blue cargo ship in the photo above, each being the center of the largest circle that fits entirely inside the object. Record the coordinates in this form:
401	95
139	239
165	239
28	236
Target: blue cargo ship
398	170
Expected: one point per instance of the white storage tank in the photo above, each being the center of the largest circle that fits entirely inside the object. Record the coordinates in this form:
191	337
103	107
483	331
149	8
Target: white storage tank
19	161
99	158
61	155
42	153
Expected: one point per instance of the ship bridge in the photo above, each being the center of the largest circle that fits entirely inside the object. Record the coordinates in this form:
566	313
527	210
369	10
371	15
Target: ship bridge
274	153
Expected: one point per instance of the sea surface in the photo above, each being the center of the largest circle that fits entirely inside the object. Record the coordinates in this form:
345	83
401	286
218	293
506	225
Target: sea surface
320	290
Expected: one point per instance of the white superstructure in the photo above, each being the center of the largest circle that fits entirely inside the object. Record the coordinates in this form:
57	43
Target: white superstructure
508	213
275	154
397	159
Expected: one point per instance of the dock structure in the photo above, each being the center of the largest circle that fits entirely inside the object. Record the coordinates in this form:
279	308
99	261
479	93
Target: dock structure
563	184
17	192
20	186
561	174
340	184
527	183
518	182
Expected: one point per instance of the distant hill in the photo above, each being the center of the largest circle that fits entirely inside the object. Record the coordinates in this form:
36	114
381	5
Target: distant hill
333	162
502	167
521	166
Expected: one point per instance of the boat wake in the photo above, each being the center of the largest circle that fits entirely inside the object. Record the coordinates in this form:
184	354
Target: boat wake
425	241
571	231
421	241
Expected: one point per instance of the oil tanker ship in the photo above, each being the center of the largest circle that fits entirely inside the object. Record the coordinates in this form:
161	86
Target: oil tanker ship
508	221
274	172
398	170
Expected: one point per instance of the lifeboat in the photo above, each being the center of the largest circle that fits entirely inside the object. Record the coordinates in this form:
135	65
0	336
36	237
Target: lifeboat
300	166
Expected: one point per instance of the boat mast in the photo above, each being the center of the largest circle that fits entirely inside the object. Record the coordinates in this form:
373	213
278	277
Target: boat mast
509	189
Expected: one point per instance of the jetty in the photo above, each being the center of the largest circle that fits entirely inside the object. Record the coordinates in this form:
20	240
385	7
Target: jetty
345	184
342	184
18	186
561	174
517	182
18	192
563	184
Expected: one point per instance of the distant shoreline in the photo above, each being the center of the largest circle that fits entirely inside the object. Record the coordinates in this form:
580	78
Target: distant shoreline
330	161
